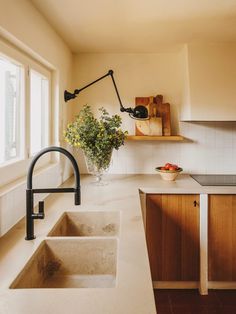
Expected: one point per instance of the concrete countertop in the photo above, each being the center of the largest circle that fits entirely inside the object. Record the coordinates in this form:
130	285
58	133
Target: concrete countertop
183	184
133	293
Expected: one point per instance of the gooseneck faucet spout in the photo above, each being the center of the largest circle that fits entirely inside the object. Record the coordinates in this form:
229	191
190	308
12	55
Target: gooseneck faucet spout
30	215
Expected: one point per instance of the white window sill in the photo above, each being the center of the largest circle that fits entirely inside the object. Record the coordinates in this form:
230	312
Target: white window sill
16	183
11	161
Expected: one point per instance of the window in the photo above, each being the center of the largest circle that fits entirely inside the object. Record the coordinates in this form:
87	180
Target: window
39	107
25	92
11	98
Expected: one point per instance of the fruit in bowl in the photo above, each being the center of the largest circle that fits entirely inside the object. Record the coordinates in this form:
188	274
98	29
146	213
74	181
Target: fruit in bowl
169	172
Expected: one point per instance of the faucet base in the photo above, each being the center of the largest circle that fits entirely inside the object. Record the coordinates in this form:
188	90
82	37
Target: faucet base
30	238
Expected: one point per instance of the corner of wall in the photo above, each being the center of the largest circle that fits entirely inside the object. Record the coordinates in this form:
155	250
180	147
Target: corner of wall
185	110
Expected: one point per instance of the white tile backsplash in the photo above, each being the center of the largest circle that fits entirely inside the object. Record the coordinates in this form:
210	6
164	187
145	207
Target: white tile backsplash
210	148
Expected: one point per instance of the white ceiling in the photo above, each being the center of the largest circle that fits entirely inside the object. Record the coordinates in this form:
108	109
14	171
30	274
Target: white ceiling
139	25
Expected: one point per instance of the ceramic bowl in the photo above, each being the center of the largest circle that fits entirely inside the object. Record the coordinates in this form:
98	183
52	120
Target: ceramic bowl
168	175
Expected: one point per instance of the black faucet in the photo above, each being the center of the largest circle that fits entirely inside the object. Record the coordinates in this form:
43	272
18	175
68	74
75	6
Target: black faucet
30	215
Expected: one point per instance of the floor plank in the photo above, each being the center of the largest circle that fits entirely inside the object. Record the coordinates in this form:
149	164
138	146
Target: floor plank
191	302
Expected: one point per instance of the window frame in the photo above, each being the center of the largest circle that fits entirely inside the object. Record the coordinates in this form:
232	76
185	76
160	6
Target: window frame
46	74
22	110
16	168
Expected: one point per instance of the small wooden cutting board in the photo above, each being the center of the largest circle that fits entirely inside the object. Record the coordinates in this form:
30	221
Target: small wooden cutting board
142	127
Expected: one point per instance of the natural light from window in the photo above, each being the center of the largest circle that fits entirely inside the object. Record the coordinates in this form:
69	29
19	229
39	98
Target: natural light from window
10	110
39	103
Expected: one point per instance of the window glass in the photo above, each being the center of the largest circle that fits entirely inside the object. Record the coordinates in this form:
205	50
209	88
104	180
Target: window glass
39	106
11	85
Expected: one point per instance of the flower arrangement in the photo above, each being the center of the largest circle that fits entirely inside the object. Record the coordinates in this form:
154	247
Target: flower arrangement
96	137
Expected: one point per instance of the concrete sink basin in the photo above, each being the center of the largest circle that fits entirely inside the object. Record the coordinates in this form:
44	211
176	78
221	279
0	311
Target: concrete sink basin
71	263
87	224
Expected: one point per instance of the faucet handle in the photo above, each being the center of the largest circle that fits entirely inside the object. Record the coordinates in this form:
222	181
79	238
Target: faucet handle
41	210
77	196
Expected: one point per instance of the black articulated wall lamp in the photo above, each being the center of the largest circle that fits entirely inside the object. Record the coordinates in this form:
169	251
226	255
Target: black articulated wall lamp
138	113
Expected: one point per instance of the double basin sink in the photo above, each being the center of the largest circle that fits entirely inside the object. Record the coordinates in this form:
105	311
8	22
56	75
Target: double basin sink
79	252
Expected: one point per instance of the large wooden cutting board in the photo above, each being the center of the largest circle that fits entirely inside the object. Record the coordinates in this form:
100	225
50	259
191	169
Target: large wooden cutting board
142	101
163	110
150	127
160	113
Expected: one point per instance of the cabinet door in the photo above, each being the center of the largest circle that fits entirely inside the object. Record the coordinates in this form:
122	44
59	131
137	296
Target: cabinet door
172	233
222	238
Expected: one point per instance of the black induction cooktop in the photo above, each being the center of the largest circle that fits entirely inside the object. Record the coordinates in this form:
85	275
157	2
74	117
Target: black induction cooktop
215	179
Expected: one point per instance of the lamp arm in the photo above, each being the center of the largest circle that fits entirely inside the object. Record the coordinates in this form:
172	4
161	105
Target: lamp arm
122	108
138	113
68	96
77	91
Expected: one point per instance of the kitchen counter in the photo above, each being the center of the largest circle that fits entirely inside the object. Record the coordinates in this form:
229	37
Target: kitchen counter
133	293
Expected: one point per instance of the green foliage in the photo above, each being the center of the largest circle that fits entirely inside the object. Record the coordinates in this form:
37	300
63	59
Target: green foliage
96	137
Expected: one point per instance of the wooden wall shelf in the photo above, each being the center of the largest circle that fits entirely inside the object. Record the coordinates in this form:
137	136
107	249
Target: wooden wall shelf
174	138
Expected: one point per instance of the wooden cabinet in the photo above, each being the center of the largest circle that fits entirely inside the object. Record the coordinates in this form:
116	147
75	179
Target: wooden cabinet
172	233
222	238
191	240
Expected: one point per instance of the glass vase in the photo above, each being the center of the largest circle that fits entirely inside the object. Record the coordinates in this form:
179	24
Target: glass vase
98	170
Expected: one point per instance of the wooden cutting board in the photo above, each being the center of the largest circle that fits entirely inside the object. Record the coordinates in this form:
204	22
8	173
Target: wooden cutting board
163	110
142	127
142	101
156	108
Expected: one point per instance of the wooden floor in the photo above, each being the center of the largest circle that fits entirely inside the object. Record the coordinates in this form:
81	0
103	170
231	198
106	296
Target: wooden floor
191	302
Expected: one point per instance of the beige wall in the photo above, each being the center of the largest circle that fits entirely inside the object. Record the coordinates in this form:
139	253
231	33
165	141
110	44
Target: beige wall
209	148
135	75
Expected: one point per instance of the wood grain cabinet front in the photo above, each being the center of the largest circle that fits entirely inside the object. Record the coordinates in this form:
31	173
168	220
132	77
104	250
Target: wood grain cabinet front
222	238
172	234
